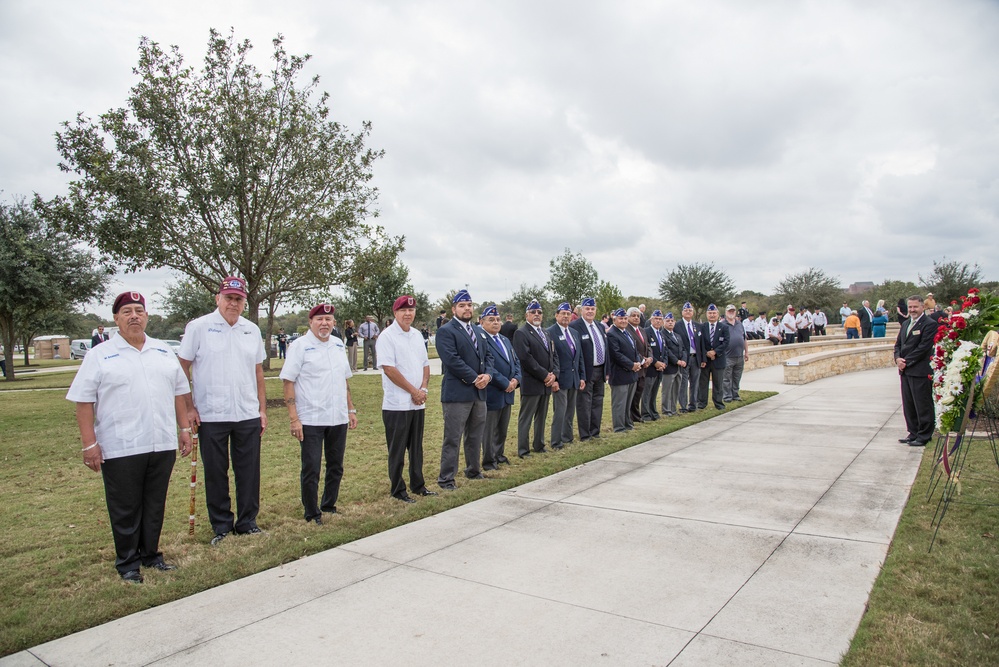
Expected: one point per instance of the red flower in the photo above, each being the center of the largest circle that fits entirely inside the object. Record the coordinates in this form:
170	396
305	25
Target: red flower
960	323
953	335
975	300
974	290
954	302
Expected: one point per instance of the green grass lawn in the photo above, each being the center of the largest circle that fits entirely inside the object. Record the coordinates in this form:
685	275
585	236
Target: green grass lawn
58	571
941	607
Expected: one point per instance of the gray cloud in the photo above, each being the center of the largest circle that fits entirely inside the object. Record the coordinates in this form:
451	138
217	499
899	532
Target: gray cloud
767	137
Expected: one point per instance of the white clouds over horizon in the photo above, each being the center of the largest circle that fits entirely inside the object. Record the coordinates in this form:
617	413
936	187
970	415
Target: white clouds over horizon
860	138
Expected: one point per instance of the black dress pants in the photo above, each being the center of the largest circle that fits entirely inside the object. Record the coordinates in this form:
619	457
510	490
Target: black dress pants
917	406
135	488
242	439
316	440
404	433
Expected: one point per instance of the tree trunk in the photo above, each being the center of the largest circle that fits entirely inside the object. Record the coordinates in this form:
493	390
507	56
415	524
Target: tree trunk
253	314
271	306
8	348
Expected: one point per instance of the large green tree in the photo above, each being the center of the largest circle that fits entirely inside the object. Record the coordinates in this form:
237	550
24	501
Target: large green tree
951	279
699	283
227	170
572	277
43	277
378	278
810	288
608	298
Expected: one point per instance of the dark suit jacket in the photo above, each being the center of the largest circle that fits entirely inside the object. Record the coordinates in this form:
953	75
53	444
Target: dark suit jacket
97	339
462	362
621	357
676	351
507	329
641	342
657	351
579	326
865	317
570	366
536	360
917	348
497	396
718	343
681	332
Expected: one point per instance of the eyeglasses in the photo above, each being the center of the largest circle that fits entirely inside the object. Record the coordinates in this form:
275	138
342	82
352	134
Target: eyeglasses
534	312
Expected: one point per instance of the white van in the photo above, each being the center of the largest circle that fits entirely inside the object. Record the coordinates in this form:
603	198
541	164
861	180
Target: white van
78	348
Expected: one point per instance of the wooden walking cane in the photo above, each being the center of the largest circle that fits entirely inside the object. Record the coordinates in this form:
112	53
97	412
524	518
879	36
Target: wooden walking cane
194	474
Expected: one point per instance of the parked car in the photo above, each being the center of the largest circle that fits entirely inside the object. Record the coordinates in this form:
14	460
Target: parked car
78	348
174	345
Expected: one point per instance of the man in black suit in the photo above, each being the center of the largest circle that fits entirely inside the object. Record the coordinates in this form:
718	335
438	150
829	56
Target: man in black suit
913	349
866	315
508	328
689	333
715	335
637	333
499	393
98	337
590	399
571	377
654	371
675	356
623	365
539	365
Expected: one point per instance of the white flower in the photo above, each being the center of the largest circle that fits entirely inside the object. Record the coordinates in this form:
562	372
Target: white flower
948	399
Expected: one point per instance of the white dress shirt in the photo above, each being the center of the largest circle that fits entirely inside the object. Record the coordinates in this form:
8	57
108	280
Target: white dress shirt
224	367
319	370
404	351
133	393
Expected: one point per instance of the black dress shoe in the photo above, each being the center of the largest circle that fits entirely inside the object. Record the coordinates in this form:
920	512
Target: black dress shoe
524	455
318	520
218	538
161	565
477	476
329	511
132	577
425	492
503	459
905	441
405	499
917	443
558	447
252	531
448	487
490	466
541	451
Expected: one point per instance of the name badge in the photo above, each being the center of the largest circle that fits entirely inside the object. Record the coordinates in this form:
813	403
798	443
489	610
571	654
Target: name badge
585	337
561	337
916	332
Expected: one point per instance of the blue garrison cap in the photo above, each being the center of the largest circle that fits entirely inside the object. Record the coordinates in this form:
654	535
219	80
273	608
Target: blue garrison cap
712	306
588	301
657	313
669	315
564	306
686	305
462	295
619	313
534	305
490	311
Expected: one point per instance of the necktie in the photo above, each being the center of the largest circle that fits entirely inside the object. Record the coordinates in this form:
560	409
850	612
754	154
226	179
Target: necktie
712	333
598	347
640	336
544	339
908	330
502	348
568	339
690	333
471	334
659	339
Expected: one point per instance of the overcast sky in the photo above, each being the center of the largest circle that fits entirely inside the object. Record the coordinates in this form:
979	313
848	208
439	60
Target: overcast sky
768	136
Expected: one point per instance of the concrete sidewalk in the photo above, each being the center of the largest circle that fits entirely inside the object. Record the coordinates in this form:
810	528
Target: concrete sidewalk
749	539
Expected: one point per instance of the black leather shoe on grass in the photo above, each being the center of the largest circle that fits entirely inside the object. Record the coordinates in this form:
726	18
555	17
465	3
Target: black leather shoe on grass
132	577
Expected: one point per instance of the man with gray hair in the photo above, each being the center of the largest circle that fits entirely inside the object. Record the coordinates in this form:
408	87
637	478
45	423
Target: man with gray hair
736	356
913	349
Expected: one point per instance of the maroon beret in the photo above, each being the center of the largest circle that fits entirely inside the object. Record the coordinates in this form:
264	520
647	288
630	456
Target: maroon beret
126	298
404	301
322	309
